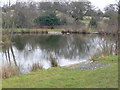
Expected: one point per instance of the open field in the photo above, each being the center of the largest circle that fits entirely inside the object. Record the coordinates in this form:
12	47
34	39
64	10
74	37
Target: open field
106	77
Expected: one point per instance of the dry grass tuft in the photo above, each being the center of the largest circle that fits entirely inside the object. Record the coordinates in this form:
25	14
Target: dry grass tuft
10	70
53	61
36	66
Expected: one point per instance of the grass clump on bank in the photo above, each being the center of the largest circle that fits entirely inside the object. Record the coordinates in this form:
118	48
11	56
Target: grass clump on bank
63	77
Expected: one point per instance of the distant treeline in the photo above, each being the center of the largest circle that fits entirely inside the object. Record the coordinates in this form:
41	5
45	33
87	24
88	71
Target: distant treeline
24	14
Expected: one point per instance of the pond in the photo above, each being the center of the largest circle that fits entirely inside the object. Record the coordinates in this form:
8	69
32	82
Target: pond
66	49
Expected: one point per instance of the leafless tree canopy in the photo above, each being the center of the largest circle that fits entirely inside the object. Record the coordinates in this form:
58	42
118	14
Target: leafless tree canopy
23	14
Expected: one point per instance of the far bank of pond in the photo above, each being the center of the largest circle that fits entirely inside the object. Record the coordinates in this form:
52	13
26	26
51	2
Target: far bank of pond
63	77
57	31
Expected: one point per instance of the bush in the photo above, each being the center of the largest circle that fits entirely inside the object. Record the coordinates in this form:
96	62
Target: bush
93	23
48	20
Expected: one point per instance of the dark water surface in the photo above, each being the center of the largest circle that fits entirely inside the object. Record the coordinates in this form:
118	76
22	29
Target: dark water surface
67	49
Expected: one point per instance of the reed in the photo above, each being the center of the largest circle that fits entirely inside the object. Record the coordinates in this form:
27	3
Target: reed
10	70
36	66
53	61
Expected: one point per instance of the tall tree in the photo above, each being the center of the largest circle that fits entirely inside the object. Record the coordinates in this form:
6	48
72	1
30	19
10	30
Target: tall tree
110	10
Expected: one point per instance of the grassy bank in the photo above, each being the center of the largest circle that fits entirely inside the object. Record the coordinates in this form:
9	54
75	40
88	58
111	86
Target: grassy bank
25	29
106	77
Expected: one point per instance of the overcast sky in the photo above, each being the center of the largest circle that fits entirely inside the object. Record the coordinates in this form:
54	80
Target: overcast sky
98	3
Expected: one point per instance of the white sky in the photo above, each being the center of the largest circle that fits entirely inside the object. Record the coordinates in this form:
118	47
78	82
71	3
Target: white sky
98	3
102	3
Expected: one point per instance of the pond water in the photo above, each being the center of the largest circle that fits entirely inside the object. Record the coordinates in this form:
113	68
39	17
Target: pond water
66	49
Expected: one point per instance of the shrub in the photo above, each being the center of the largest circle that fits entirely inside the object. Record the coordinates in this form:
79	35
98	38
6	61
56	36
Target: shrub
47	20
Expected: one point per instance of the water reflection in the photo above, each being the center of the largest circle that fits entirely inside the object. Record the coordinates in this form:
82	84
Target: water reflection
67	49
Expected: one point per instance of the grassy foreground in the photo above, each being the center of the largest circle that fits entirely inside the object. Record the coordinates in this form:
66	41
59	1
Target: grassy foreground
106	77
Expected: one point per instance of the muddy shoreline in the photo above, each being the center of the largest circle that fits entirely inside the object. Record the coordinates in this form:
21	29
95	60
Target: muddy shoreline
88	65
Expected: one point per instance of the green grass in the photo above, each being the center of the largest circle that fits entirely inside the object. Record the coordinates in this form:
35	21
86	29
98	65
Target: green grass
0	84
63	77
92	30
107	59
25	29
